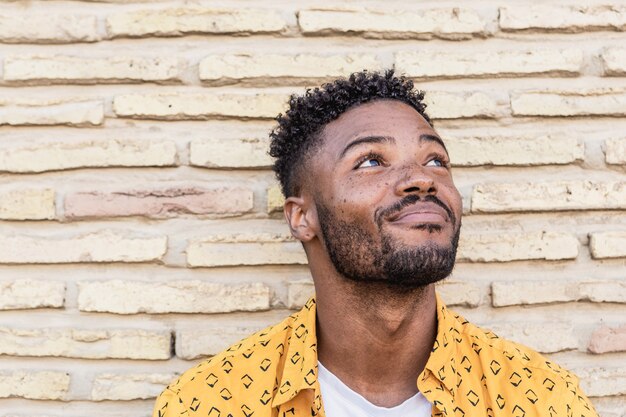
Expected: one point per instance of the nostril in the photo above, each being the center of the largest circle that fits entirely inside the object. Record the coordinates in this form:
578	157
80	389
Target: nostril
412	189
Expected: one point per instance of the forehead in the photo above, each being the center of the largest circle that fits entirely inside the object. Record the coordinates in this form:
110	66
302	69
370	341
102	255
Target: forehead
380	117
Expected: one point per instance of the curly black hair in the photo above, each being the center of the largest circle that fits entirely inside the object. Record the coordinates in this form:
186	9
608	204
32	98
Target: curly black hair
298	130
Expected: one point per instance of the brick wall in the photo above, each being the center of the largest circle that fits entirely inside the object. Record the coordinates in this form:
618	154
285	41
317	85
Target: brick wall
139	220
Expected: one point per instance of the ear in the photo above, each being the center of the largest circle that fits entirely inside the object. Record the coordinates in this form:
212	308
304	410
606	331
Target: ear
301	218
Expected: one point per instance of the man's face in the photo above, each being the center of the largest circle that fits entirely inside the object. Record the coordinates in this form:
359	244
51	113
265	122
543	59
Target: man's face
387	206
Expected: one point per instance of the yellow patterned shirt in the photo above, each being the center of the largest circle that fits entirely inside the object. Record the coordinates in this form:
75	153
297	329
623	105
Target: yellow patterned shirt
470	372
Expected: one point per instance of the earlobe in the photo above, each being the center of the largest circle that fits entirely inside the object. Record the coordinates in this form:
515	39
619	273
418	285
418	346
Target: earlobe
298	218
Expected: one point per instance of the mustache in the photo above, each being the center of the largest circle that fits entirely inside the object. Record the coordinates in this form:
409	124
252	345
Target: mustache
410	200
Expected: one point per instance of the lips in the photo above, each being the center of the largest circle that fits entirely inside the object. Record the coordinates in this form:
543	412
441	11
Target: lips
420	213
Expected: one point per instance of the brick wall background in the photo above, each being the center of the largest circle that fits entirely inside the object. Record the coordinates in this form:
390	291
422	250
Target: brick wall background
139	220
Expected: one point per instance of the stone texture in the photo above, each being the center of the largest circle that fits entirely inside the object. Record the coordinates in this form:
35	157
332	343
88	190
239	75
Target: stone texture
608	339
606	102
615	151
602	381
100	246
230	153
182	106
501	63
539	149
86	343
299	292
27	204
275	199
608	244
562	195
507	293
30	293
193	343
29	27
35	385
43	157
128	297
504	247
447	23
172	201
459	293
73	113
124	387
453	105
563	18
562	335
614	61
182	21
256	251
268	67
63	69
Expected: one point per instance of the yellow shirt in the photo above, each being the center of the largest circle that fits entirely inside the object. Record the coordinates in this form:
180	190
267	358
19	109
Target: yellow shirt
470	372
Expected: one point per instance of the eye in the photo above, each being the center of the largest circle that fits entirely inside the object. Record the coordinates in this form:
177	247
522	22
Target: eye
436	162
369	161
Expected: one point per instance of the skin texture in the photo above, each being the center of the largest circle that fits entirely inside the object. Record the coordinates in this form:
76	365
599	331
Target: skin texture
376	327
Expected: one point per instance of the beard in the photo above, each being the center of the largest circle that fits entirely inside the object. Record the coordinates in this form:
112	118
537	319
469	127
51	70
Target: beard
359	258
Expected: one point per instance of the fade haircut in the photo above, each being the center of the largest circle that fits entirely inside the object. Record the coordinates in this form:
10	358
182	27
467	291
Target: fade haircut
299	130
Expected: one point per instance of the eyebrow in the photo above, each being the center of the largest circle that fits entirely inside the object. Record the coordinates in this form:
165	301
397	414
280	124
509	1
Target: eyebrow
389	139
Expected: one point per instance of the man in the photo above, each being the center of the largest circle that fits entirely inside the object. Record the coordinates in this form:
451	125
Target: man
369	193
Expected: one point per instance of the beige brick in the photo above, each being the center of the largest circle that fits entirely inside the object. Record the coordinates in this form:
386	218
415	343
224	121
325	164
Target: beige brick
196	342
602	381
441	64
35	385
539	149
31	27
30	293
275	199
609	406
562	195
128	297
608	339
562	335
123	387
299	292
59	68
172	106
507	293
166	202
614	61
616	151
563	18
100	246
244	253
608	244
181	21
459	293
87	153
88	344
230	153
504	247
606	102
452	105
302	67
447	23
27	204
73	113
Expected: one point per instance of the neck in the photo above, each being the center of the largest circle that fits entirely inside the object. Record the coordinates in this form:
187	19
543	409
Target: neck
375	337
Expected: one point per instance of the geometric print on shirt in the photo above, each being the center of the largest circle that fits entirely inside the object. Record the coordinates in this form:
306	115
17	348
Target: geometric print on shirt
470	372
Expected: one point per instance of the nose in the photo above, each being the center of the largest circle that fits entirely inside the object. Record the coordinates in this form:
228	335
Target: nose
415	180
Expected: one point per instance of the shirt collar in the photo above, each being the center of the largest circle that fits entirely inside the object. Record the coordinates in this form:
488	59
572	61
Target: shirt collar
300	369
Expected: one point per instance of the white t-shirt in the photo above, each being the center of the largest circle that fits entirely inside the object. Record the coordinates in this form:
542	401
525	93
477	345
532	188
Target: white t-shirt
340	401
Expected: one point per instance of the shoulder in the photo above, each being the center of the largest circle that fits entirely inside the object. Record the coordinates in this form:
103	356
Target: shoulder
250	365
518	374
